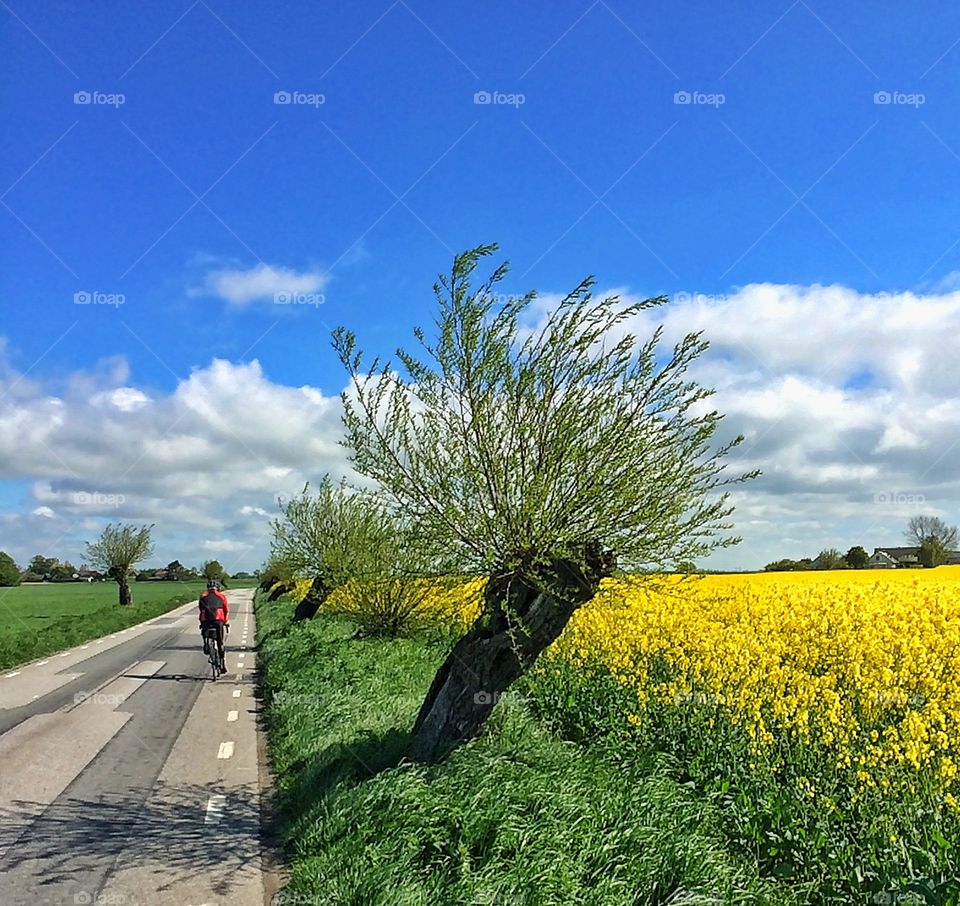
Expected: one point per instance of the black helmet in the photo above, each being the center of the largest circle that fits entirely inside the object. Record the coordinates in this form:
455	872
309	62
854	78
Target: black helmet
213	583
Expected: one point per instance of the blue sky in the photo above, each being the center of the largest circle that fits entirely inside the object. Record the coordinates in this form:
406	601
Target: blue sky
818	145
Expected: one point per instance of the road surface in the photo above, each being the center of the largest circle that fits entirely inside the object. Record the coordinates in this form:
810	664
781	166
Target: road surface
128	777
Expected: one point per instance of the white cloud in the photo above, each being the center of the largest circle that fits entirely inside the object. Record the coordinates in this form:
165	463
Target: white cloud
263	282
847	402
205	462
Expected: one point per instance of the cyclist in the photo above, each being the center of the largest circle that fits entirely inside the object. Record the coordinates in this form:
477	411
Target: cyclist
214	612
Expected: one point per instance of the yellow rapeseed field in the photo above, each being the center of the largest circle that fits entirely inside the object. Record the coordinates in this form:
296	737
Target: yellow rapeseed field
863	665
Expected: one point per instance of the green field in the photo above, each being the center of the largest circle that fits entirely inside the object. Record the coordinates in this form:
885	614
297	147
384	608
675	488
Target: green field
41	619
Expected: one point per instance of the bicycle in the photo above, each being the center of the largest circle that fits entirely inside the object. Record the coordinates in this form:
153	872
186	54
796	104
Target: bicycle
217	665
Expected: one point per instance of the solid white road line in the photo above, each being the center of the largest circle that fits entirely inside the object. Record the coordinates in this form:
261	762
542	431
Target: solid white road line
226	750
215	806
232	716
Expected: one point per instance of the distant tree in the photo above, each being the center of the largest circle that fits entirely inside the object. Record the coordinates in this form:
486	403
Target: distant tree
117	549
62	572
788	565
42	565
857	557
9	571
830	558
933	552
340	537
213	569
921	529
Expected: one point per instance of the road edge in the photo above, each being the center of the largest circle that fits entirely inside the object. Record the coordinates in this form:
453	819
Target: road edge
273	864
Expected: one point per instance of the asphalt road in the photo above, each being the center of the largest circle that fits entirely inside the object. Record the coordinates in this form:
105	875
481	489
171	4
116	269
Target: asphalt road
128	777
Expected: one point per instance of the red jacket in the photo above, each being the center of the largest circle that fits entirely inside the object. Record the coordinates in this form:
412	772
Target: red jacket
214	602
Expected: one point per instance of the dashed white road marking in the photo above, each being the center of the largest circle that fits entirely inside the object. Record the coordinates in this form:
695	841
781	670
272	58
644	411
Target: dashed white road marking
65	654
11	675
215	806
41	663
236	693
226	750
84	647
232	716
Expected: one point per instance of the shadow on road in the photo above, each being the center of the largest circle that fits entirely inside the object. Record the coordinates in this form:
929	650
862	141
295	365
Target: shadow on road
177	677
75	840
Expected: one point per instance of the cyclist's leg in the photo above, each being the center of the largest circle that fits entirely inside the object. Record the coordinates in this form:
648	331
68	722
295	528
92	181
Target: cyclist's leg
203	636
223	665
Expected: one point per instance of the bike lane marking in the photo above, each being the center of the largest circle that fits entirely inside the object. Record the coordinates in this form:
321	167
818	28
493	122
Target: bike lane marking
216	805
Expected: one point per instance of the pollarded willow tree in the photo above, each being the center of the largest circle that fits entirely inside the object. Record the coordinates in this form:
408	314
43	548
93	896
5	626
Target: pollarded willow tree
117	549
340	536
542	458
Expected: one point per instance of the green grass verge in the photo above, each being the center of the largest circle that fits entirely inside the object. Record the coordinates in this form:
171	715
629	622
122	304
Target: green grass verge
518	817
36	620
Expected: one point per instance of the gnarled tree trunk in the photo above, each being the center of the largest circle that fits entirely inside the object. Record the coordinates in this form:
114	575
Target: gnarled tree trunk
308	607
522	616
126	596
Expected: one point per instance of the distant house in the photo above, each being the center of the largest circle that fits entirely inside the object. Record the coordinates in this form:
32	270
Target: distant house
892	557
902	556
880	559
